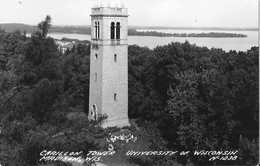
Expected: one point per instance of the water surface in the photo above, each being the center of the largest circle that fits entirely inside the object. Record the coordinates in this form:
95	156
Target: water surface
227	44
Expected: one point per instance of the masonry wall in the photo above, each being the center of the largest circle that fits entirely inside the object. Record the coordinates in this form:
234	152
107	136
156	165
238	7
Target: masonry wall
115	81
112	76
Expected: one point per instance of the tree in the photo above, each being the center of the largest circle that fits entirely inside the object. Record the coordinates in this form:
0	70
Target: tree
45	26
212	96
199	112
44	97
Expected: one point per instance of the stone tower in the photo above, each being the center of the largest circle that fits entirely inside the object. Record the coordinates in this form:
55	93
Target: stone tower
108	66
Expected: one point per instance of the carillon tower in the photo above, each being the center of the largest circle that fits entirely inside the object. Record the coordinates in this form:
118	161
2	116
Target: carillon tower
109	66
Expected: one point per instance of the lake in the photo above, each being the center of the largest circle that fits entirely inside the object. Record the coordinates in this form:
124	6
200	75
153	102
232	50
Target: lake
227	44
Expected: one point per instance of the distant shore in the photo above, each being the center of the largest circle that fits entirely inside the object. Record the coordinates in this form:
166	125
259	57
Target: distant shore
195	28
132	30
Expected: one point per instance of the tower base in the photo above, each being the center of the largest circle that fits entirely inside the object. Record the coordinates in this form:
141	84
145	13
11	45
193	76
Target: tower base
118	122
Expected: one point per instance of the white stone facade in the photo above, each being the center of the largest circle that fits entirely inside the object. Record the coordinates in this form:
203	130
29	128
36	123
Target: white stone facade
109	66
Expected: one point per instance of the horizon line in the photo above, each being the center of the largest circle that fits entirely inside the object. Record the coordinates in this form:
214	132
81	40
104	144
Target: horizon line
149	26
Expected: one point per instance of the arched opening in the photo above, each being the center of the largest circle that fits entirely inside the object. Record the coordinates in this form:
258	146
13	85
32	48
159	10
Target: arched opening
115	99
115	57
117	30
95	77
94	112
98	30
112	35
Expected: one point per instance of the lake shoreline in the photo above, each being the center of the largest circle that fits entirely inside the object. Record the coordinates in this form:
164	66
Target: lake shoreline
227	44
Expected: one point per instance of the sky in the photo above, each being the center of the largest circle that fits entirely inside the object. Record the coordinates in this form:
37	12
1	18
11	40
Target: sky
175	13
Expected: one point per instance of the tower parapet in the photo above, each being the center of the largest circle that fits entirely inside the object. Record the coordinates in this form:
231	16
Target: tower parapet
109	11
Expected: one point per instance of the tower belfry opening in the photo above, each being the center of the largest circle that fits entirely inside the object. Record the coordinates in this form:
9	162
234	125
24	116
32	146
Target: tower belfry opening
112	30
117	30
97	30
109	41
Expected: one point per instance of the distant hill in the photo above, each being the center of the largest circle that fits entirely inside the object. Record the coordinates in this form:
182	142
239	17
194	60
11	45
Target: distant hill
85	29
11	27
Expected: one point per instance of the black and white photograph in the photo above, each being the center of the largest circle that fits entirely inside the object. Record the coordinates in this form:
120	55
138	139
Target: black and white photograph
129	82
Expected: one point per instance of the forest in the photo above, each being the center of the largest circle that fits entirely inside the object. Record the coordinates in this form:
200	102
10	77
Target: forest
181	97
